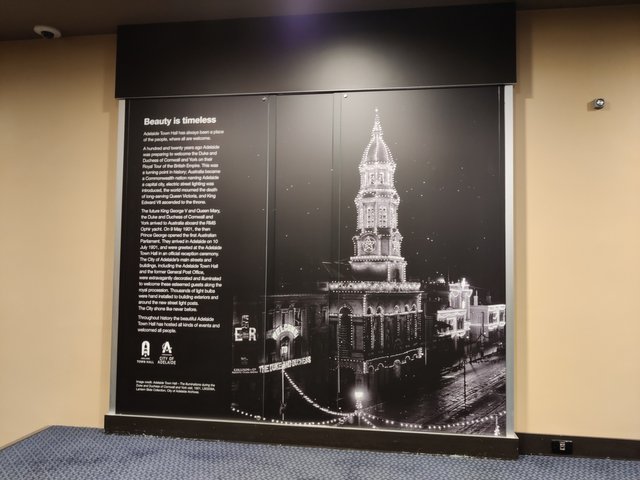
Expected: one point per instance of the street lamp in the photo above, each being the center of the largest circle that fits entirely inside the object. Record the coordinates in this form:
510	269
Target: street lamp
284	352
359	395
464	371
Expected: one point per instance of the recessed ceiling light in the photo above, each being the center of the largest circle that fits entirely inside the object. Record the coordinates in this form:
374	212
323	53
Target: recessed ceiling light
47	32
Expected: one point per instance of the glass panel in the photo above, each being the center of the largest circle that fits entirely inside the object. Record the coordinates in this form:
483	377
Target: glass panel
300	258
193	248
422	223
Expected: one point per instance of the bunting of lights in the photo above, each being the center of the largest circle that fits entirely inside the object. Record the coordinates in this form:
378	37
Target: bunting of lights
367	418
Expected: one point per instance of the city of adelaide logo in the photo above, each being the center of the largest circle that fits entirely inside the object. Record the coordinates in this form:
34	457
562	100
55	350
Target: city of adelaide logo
145	353
166	357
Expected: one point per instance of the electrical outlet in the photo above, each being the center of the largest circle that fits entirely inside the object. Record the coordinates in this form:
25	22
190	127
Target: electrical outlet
562	447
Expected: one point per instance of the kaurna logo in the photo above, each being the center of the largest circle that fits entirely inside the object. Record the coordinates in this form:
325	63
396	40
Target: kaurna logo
166	348
146	349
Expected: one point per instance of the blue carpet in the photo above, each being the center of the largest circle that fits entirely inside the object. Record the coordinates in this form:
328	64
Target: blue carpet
85	453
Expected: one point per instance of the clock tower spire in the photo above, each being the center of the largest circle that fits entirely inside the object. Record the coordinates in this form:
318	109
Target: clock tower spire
377	243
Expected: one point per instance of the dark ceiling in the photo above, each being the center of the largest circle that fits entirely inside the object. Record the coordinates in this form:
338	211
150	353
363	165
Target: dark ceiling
84	17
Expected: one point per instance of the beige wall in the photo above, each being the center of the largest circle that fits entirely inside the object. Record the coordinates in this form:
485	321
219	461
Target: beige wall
578	222
577	227
58	121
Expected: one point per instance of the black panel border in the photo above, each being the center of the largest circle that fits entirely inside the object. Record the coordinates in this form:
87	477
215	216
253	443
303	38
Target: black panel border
430	443
325	437
374	50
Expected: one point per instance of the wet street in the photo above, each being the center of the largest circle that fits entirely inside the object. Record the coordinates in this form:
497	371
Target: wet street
446	403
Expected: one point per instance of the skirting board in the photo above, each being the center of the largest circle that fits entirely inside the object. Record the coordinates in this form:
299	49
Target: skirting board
24	437
593	447
482	446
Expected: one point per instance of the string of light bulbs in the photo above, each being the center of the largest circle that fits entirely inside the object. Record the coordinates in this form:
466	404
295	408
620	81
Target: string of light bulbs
283	422
310	401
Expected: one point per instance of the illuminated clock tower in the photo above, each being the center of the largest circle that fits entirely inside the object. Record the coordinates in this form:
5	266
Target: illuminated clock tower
378	241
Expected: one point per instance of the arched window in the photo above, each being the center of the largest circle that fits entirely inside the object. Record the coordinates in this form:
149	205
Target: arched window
344	330
414	320
398	321
285	349
380	327
368	329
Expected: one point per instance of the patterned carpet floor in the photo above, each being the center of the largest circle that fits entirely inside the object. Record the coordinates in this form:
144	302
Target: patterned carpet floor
69	453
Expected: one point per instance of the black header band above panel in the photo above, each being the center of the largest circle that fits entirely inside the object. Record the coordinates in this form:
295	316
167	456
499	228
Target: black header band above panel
391	49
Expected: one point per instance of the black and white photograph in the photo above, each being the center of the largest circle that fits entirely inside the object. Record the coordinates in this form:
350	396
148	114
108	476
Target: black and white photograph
384	303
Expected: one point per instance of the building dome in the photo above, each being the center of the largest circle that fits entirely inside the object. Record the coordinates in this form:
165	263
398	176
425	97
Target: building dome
377	151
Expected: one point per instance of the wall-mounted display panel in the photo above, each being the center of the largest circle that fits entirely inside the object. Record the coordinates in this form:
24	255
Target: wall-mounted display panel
333	261
316	236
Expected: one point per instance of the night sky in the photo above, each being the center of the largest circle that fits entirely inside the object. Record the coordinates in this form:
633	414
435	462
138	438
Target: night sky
449	175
